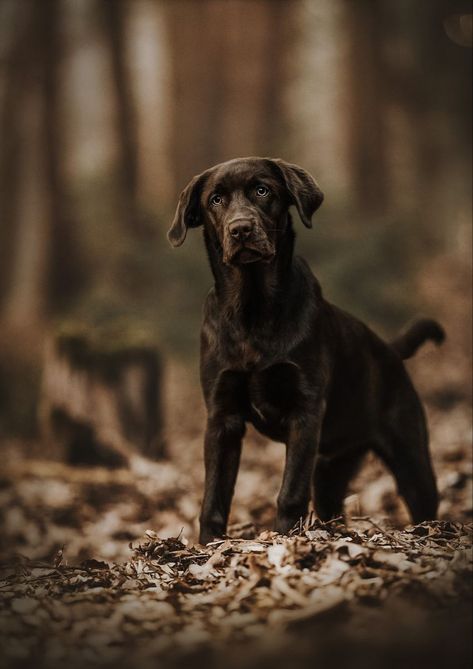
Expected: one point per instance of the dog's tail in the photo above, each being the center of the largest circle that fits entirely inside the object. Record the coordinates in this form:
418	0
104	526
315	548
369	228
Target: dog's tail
422	330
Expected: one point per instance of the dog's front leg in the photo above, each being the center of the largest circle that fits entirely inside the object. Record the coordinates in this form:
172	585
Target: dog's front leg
222	451
301	449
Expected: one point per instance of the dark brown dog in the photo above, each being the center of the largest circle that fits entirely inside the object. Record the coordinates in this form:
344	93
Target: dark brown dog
276	354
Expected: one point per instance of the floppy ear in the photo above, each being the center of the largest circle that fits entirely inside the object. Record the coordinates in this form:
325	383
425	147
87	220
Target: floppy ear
303	189
188	213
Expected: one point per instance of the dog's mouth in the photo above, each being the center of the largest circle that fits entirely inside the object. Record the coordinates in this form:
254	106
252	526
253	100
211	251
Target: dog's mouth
245	255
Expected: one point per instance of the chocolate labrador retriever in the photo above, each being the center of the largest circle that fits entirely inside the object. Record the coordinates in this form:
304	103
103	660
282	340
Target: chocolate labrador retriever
275	353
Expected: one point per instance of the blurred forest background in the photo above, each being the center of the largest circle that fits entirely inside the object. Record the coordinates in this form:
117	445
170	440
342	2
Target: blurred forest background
109	107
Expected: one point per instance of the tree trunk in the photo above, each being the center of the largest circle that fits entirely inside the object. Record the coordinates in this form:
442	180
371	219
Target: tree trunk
149	72
15	31
430	93
26	299
365	104
228	80
115	23
100	402
44	264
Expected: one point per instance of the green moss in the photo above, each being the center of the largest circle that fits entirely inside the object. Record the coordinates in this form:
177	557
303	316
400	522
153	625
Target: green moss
105	347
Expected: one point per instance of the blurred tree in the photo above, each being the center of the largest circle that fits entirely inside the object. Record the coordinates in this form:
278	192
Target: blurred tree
45	267
115	27
409	107
428	85
229	77
367	149
149	72
42	268
14	28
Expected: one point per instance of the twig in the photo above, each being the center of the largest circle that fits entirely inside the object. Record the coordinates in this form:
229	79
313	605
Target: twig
390	536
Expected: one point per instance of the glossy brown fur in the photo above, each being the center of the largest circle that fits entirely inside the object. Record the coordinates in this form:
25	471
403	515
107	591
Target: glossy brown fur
276	354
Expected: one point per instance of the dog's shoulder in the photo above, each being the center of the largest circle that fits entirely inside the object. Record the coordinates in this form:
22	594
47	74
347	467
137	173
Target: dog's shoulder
209	318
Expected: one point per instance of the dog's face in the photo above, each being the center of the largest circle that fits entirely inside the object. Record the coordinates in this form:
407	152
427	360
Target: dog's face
244	203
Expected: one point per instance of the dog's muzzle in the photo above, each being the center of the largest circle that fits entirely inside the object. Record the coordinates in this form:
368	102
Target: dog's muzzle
246	242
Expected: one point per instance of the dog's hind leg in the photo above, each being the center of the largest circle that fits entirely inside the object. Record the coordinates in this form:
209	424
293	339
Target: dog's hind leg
330	482
404	449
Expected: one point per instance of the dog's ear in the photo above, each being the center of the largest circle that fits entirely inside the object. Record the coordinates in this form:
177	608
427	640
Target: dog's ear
188	212
303	189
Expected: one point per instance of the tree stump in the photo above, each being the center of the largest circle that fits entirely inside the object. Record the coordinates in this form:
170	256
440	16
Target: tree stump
100	397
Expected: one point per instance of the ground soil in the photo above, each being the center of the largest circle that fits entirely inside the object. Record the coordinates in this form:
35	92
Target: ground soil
101	567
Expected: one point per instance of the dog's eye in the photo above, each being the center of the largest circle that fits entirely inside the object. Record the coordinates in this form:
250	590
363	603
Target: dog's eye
262	191
216	200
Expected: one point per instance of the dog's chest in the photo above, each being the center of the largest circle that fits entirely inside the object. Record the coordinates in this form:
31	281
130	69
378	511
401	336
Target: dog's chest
248	353
275	392
268	395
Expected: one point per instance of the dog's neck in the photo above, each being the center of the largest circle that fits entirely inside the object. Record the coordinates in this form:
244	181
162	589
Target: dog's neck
252	295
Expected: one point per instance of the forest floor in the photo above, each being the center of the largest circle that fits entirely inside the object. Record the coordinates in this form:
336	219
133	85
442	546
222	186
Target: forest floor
100	567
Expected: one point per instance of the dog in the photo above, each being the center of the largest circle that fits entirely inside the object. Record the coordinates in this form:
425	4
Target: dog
276	354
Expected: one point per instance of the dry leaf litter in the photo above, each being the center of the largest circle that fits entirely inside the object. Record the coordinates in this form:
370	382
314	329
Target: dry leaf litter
101	568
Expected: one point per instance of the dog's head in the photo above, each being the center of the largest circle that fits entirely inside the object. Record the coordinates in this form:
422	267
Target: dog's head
243	203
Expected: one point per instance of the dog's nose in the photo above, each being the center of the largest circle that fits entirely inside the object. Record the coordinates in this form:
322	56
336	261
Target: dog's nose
240	230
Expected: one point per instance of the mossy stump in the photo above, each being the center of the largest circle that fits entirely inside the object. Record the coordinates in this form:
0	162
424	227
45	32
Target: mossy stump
100	396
